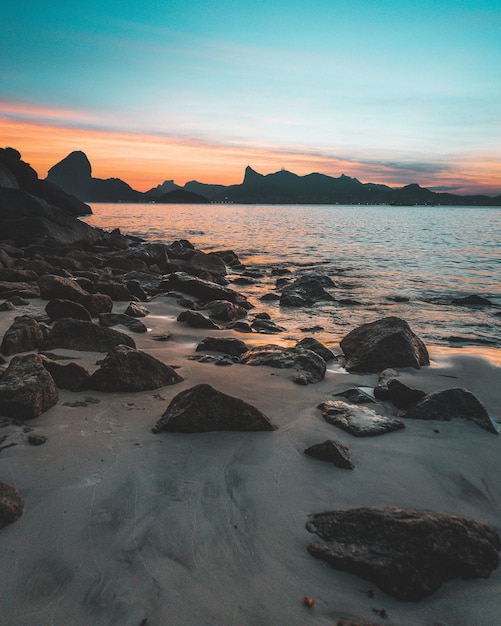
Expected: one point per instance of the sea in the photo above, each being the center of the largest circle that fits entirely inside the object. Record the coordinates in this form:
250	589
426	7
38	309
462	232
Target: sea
410	262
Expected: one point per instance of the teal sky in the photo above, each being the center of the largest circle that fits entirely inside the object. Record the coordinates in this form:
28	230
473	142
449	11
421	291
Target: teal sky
411	88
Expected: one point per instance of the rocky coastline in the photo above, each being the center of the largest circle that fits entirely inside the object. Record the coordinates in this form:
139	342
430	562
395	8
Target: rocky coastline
155	427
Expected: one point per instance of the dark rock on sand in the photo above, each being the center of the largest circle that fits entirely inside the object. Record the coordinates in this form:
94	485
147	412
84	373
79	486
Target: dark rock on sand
136	310
356	396
224	310
24	334
59	308
196	320
71	376
402	396
122	319
7	306
202	409
311	366
126	369
202	289
9	289
117	289
453	403
11	504
408	554
87	336
381	389
226	345
97	303
359	421
26	389
333	452
388	342
310	343
17	275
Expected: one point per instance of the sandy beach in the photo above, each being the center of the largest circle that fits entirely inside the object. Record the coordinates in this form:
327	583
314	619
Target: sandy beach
123	526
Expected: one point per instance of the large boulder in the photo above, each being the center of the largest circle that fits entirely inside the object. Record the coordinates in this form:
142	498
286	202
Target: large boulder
81	335
311	366
126	369
452	403
388	342
61	288
24	334
11	504
357	420
202	409
408	554
26	389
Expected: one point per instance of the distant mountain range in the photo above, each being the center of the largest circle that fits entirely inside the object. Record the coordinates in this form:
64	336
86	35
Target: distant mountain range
74	175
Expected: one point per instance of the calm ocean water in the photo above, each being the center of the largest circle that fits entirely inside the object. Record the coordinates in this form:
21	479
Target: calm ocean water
429	255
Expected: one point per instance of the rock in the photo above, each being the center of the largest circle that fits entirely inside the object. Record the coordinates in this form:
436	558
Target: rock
381	389
239	327
452	403
201	262
18	301
9	289
196	320
11	504
359	421
71	376
25	334
58	287
116	289
297	299
331	451
36	440
97	303
229	257
81	335
311	366
270	297
202	289
408	554
402	396
356	396
472	300
136	310
26	389
59	307
115	319
203	409
17	275
307	290
266	327
310	343
126	369
388	342
7	306
226	345
224	310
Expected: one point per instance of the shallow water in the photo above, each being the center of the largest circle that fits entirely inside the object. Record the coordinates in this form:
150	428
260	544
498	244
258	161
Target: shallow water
427	254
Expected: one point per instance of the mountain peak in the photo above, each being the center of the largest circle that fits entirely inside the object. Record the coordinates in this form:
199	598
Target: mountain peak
251	176
76	164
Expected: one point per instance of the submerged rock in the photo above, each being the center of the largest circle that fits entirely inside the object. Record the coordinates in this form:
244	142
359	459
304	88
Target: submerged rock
202	409
388	342
408	554
358	420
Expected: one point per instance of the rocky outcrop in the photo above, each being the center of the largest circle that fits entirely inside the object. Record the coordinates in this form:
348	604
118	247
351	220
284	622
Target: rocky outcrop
331	451
359	421
202	409
388	342
126	369
25	334
408	554
453	403
87	336
26	389
311	367
11	504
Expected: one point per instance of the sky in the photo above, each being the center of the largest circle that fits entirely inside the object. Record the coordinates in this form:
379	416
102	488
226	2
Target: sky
393	92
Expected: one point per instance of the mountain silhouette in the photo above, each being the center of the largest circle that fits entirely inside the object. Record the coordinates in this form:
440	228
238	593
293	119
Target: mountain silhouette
74	175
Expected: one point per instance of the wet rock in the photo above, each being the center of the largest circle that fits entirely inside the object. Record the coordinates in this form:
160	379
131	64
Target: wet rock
229	257
54	287
309	288
87	336
472	300
202	409
216	359
201	262
381	389
71	376
127	369
59	308
97	303
202	289
359	421
356	396
7	306
311	366
266	327
333	452
136	310
402	396
388	342
24	334
26	389
226	345
116	289
296	298
11	504
224	310
240	327
196	320
17	275
270	297
23	290
408	554
115	319
453	403
310	343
